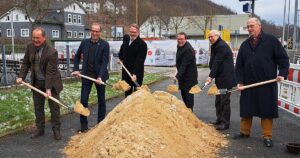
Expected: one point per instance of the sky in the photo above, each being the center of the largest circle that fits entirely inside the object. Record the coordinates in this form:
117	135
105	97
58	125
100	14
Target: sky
270	10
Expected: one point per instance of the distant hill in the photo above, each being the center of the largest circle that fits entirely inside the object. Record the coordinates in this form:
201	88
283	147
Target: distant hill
147	8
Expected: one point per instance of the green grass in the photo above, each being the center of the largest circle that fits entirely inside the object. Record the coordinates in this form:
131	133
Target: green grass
16	105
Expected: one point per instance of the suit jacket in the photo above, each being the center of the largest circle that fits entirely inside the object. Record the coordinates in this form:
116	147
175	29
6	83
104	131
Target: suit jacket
48	65
221	64
133	57
186	67
101	58
255	64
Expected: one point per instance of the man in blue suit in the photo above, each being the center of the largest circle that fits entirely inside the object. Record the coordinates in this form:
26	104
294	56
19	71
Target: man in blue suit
95	54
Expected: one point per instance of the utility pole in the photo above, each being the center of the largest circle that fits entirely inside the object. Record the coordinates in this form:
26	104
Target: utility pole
137	12
295	24
283	26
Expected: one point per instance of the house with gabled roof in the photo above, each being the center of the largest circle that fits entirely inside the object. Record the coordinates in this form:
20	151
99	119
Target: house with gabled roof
62	20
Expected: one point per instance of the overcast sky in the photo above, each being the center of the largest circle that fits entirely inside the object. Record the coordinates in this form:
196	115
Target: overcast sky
270	10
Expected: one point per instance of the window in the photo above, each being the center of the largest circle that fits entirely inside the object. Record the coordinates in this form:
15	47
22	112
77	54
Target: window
69	34
88	34
80	34
79	19
75	34
55	33
8	18
74	19
69	18
26	17
17	17
0	33
8	32
24	32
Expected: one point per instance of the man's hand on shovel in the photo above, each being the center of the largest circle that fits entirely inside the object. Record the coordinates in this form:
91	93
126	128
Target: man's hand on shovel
76	74
99	81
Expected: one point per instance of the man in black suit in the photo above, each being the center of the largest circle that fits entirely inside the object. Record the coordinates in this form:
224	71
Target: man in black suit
222	69
186	69
95	54
133	53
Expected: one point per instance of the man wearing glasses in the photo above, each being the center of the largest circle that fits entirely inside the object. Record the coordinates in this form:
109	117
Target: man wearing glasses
95	54
133	53
259	59
222	70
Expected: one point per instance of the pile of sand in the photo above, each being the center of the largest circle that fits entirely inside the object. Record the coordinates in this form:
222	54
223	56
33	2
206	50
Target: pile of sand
148	125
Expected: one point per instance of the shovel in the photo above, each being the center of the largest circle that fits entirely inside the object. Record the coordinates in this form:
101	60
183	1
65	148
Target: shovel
136	84
173	88
92	79
225	91
121	86
83	111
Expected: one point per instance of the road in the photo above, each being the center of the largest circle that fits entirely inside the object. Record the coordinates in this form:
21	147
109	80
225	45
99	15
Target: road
286	129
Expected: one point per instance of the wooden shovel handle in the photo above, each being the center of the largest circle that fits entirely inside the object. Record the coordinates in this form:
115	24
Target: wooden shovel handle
129	73
260	83
43	93
92	79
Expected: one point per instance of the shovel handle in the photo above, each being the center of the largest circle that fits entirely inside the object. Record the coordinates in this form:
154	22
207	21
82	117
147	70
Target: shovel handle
43	93
129	73
260	83
255	84
92	79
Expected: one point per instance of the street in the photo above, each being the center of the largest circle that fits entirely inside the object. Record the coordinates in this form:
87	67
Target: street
286	129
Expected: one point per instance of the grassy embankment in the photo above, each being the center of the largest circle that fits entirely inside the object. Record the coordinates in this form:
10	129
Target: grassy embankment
16	106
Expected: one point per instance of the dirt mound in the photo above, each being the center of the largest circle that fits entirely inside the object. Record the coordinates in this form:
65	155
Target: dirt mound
148	125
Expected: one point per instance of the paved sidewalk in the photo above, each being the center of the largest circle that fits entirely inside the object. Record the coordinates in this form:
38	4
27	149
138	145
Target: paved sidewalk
286	129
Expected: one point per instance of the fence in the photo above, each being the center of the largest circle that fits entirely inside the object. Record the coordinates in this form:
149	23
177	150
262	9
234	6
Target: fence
289	91
10	69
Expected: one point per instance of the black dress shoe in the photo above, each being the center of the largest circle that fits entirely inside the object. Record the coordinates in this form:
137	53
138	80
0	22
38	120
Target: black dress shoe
240	136
222	126
37	133
268	142
84	128
56	135
217	122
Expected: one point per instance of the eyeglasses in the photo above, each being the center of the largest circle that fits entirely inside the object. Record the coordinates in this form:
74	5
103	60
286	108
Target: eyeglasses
94	31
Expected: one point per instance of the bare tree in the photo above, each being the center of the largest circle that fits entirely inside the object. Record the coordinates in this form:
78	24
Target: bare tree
35	10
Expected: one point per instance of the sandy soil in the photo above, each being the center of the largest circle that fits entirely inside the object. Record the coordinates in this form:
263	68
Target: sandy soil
148	125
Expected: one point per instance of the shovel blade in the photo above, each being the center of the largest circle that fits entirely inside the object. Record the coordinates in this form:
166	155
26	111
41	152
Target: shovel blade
80	109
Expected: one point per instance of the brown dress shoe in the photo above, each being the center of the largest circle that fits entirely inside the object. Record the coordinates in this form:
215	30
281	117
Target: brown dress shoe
240	136
56	135
37	133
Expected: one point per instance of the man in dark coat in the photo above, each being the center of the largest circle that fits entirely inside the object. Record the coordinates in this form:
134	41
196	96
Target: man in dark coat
133	53
95	54
186	69
42	61
222	69
259	58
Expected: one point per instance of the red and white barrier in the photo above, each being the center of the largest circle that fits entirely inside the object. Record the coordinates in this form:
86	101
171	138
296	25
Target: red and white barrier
289	107
294	73
289	91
